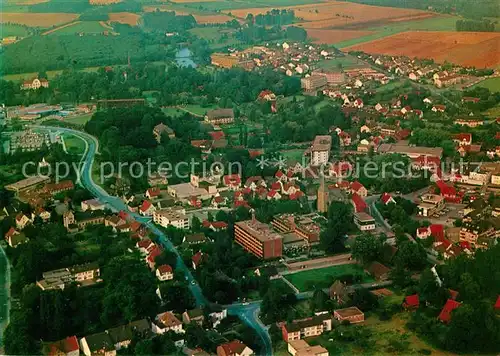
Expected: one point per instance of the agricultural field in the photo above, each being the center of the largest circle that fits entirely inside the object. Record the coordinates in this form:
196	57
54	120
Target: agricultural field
208	19
103	2
493	84
37	19
50	74
330	37
191	1
24	2
125	18
14	30
214	36
336	14
324	277
478	49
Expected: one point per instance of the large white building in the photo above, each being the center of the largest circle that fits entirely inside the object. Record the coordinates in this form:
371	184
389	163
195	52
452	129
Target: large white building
364	221
320	150
172	217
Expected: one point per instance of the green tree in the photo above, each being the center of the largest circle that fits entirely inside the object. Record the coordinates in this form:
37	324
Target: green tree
339	223
367	248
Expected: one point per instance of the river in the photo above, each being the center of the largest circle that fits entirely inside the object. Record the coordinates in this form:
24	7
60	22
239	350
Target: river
183	58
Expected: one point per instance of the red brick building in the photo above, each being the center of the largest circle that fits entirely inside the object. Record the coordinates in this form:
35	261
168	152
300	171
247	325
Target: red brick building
258	238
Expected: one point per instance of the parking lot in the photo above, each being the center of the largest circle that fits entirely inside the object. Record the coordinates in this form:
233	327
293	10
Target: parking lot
446	216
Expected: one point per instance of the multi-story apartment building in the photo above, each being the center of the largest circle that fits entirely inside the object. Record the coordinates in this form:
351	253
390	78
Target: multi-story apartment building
258	238
314	82
320	150
60	278
308	327
171	217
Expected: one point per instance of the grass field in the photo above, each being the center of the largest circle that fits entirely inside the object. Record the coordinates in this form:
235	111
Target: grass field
340	62
197	109
78	120
83	26
74	144
50	74
7	30
174	112
493	84
124	17
293	155
214	34
324	277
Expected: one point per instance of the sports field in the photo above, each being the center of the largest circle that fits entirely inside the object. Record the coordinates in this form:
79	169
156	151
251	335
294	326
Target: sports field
324	277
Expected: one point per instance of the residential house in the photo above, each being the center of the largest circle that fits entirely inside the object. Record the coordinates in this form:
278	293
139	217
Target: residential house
217	316
162	129
92	205
22	220
56	188
339	292
446	313
122	335
197	259
387	199
98	344
411	302
65	347
165	322
345	139
194	239
175	216
379	271
193	316
144	246
438	108
14	238
234	348
232	181
35	84
152	193
147	208
358	188
164	273
358	203
352	314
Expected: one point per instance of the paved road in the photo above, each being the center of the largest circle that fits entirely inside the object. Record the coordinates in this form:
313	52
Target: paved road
247	313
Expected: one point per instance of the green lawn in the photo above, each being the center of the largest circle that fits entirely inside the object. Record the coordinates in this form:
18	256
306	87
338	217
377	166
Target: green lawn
78	120
50	74
324	277
340	62
293	155
74	144
214	36
440	23
13	30
173	112
493	84
84	26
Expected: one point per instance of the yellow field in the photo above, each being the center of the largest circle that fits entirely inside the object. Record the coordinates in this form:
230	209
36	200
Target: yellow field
203	19
189	1
50	74
128	18
37	19
337	14
25	2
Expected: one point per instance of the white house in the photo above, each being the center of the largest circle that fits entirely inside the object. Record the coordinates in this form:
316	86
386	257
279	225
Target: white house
165	322
164	273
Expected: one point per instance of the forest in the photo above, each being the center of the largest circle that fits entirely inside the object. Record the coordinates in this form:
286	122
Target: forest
475	26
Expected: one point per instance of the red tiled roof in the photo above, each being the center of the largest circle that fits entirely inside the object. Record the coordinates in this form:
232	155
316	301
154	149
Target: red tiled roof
69	344
276	186
279	174
467	137
243	203
497	304
153	192
445	315
165	269
233	179
217	135
219	224
356	186
234	347
123	215
10	233
155	252
146	204
197	258
437	231
412	301
385	198
359	203
255	153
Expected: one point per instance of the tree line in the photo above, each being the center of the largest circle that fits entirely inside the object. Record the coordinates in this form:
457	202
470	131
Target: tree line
475	26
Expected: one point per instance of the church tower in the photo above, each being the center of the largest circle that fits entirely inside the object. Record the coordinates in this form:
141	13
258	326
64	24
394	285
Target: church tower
322	195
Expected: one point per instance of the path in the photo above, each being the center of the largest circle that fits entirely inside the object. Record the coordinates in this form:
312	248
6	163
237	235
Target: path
249	315
4	295
60	28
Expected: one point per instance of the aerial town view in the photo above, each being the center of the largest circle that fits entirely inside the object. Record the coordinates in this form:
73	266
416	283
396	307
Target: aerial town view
249	177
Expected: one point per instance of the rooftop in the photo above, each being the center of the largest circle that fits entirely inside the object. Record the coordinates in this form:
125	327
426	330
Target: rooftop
322	143
260	231
348	312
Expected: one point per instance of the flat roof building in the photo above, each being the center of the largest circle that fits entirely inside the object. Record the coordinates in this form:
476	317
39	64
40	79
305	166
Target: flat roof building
410	151
258	238
320	150
364	221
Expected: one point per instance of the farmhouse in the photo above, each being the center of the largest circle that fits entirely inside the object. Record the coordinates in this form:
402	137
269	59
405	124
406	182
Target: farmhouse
35	84
220	116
